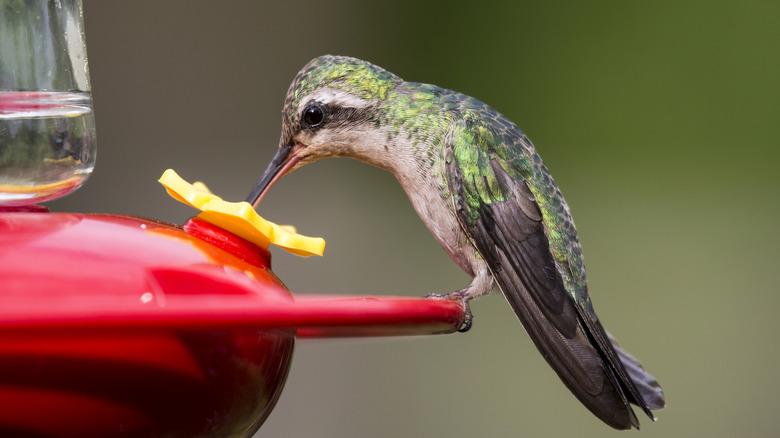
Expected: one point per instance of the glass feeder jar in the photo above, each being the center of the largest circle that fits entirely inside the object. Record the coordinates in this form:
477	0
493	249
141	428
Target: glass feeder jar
47	127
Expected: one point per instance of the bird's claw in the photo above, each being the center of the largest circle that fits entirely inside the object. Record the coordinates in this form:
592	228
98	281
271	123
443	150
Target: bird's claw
468	317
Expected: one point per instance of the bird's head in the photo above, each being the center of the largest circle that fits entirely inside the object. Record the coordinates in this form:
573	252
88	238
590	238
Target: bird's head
335	106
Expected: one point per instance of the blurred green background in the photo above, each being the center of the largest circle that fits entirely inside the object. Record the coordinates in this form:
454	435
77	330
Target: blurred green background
659	121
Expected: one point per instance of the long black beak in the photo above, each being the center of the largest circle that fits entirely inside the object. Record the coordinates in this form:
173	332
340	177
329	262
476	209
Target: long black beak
269	176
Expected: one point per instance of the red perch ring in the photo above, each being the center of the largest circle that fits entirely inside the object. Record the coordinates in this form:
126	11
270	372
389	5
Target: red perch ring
120	325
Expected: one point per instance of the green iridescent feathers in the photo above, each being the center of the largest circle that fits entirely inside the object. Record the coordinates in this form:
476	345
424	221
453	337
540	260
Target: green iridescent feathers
482	138
352	75
515	215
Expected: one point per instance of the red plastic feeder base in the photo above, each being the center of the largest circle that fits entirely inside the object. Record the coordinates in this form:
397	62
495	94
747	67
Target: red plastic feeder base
117	325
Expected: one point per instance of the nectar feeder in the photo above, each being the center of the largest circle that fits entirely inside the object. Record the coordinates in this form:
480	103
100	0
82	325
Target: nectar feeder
115	325
122	325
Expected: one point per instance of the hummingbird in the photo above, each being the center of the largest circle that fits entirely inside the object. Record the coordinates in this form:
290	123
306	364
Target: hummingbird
477	182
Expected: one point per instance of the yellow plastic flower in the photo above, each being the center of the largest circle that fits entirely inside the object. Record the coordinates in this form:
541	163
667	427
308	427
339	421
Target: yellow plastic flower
240	218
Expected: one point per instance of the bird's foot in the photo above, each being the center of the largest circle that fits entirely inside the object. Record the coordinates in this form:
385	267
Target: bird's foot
463	298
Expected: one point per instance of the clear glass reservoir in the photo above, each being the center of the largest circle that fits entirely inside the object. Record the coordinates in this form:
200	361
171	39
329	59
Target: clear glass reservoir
47	127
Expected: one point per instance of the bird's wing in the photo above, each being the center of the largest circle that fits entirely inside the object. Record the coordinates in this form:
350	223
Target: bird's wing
515	216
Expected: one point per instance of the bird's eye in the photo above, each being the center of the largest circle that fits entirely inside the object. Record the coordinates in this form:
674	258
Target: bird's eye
313	115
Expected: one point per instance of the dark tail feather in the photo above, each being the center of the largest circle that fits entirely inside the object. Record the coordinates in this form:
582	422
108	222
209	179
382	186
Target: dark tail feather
648	386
